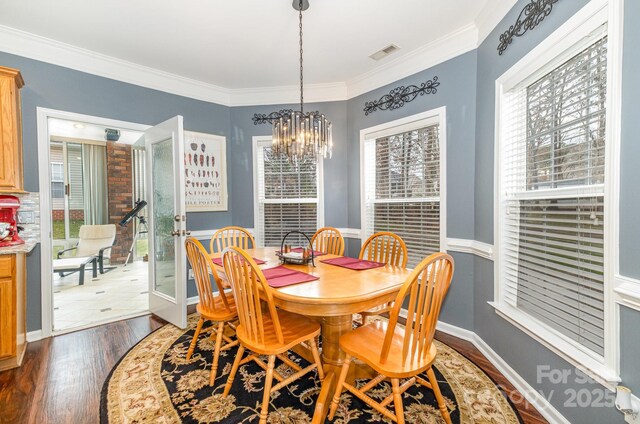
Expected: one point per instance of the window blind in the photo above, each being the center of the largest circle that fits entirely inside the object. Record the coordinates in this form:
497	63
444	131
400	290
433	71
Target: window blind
402	189
287	197
552	197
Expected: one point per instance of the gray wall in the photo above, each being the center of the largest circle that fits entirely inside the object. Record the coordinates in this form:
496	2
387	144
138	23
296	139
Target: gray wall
630	348
467	91
630	148
629	193
55	87
456	92
335	169
522	352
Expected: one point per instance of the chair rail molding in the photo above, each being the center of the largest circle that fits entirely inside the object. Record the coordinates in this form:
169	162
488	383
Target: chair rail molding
475	247
352	233
627	292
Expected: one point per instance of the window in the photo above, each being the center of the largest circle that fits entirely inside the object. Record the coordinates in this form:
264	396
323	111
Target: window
57	180
402	167
553	204
288	196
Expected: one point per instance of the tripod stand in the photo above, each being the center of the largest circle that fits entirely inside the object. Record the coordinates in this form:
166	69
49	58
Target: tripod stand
141	229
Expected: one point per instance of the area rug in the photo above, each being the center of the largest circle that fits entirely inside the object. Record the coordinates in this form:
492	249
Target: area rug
154	383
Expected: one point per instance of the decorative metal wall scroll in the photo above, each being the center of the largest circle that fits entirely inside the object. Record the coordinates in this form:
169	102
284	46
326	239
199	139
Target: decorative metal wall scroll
261	118
401	95
529	18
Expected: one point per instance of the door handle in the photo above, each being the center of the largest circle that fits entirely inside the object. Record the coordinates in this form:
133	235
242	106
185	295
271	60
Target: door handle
186	232
175	232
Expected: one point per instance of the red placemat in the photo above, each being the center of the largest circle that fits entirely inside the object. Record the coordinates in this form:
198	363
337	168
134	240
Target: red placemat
300	249
282	277
218	261
352	263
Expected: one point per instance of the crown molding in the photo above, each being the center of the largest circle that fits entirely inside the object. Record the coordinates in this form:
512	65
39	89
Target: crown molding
490	16
44	49
451	45
29	45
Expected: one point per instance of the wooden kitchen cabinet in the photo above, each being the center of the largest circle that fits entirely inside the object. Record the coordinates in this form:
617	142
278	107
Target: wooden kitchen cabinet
10	131
13	325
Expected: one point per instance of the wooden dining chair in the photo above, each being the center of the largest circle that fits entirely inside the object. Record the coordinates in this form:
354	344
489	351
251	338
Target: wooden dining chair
264	330
231	236
388	248
217	307
397	352
328	240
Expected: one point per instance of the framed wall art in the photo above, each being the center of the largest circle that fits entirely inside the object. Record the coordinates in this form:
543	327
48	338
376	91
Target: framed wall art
205	159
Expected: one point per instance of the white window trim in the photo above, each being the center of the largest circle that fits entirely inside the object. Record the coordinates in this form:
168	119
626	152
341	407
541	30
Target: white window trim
572	36
409	123
57	180
267	139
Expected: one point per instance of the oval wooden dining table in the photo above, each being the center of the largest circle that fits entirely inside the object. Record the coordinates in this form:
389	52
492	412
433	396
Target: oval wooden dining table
332	300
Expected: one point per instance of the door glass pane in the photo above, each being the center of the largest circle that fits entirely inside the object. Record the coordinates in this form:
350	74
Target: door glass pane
163	217
76	188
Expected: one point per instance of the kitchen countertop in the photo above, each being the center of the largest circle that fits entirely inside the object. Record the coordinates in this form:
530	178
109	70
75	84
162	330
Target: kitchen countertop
20	248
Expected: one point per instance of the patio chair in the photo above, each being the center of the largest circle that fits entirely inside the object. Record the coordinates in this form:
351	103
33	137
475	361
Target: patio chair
94	241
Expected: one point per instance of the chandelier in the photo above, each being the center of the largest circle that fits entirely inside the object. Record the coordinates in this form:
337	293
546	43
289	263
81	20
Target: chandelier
297	134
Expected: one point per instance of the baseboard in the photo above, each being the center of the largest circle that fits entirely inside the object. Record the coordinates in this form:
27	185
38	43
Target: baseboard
34	336
458	332
532	396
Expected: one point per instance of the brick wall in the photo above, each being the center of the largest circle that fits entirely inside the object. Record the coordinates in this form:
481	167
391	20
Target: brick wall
75	214
120	185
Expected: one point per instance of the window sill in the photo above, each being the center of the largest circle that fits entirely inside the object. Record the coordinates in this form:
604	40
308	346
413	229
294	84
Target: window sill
559	344
627	292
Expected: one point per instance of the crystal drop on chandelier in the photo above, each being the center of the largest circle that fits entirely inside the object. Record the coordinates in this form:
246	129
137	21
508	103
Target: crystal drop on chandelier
297	135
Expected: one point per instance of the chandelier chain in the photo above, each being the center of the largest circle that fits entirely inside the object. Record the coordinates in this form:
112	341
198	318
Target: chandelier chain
301	68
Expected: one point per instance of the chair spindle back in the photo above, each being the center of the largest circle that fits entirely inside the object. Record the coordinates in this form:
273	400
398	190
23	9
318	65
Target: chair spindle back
328	240
231	236
426	289
203	270
385	247
250	289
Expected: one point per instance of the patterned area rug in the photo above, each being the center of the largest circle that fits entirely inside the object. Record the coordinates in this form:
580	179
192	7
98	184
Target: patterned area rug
154	383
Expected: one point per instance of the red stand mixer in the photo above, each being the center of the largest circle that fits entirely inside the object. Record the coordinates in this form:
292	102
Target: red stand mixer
9	206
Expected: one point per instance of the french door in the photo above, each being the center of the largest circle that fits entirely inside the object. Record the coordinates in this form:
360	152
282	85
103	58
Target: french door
164	145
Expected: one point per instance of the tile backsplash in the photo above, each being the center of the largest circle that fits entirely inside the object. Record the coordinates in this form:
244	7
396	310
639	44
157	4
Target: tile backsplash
30	203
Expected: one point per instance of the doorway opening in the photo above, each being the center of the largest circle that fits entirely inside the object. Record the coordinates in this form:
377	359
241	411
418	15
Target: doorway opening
98	248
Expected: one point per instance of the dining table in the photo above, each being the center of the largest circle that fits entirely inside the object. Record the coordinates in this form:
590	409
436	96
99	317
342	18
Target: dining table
332	299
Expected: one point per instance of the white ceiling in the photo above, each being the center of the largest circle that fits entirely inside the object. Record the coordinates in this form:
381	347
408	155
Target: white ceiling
246	44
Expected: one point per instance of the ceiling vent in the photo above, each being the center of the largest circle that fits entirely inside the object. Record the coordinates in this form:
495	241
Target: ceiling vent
391	48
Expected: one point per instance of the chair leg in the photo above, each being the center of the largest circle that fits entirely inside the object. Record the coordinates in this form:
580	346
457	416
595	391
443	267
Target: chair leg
267	390
194	341
234	369
397	400
216	353
343	376
316	357
81	279
436	391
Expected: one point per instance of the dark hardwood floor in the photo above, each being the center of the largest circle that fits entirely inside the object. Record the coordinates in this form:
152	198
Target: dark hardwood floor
61	378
